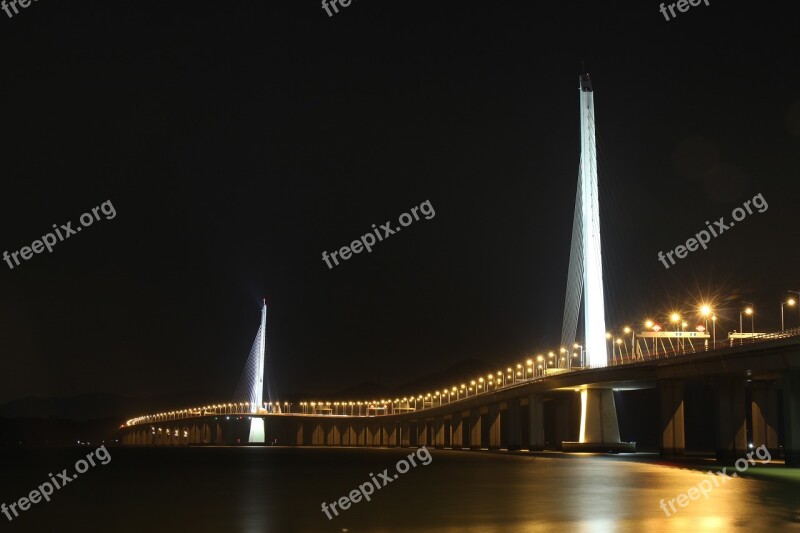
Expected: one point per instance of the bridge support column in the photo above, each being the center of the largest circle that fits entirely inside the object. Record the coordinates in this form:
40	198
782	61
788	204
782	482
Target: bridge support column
457	424
764	409
790	383
536	423
475	429
405	434
513	423
731	418
391	434
673	435
422	433
438	432
495	431
599	430
348	435
317	434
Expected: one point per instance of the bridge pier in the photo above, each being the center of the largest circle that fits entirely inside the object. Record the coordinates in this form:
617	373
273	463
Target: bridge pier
673	433
348	434
791	415
457	425
599	429
405	434
513	424
317	434
731	418
495	433
535	423
438	431
475	432
422	433
764	409
391	433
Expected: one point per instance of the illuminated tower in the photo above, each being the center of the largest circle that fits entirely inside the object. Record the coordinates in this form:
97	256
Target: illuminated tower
593	301
599	429
255	370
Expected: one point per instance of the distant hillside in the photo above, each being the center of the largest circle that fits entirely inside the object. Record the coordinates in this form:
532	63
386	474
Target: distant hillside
56	432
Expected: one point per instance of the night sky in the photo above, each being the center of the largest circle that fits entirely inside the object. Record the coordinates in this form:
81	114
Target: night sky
237	141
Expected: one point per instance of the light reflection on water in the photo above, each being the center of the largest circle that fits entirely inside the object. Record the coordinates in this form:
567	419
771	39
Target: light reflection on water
282	489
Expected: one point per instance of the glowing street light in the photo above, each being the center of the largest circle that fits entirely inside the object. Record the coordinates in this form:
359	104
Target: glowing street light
749	312
790	302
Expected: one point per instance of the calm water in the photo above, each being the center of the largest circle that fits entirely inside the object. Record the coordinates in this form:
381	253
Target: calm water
281	490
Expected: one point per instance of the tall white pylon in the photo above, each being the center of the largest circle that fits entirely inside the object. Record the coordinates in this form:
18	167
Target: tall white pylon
257	392
593	301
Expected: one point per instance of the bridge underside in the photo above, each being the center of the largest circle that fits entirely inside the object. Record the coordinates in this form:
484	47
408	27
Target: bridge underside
743	414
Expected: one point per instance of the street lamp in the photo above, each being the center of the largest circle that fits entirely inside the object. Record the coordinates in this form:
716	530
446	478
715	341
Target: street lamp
714	328
540	358
627	330
797	293
705	312
747	311
790	302
576	345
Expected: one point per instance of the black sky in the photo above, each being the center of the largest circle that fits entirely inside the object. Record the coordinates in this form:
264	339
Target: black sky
239	140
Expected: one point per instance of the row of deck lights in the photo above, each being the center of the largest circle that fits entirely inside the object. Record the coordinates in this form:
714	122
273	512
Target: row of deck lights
219	409
534	367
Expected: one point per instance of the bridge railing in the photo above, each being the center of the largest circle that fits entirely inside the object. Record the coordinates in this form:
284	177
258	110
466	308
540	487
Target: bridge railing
382	407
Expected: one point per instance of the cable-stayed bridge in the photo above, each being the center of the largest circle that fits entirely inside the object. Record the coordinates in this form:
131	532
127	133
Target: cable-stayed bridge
507	409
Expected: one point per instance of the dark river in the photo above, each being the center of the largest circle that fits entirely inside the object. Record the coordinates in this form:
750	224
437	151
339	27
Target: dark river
282	490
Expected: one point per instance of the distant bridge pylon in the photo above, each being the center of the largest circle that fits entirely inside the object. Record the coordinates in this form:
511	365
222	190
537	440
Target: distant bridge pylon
250	389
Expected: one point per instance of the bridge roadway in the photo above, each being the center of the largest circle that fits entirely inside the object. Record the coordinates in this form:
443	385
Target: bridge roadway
512	417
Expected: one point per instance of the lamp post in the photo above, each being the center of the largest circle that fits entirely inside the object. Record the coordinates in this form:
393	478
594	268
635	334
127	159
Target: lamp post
747	311
628	329
714	329
675	318
576	345
683	340
705	312
797	293
540	359
790	302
